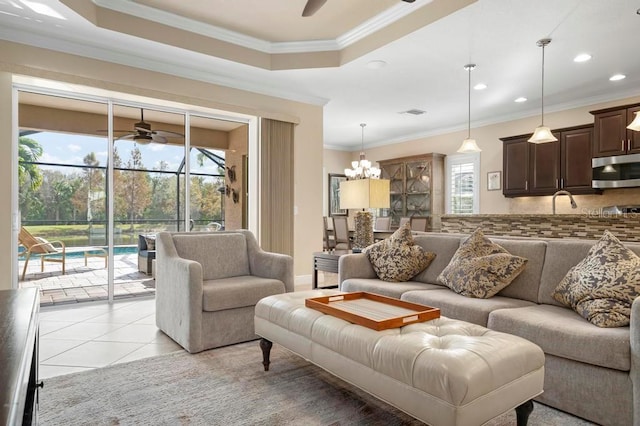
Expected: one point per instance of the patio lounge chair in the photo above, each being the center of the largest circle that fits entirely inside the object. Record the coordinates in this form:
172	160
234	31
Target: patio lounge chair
53	251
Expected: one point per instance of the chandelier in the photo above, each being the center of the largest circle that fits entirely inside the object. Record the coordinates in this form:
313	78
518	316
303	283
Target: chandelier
362	169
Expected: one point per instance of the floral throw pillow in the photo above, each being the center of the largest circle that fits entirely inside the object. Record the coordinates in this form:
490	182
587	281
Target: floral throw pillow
398	258
481	268
603	285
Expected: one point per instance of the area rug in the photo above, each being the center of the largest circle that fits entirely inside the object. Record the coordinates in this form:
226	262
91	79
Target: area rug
227	386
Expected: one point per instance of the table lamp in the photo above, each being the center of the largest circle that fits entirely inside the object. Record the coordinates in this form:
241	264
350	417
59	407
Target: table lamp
364	194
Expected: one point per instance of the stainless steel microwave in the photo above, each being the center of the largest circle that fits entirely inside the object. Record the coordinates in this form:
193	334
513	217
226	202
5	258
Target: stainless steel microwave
620	171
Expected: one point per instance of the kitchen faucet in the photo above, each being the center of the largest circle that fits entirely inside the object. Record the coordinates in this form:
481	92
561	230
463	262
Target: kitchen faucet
563	192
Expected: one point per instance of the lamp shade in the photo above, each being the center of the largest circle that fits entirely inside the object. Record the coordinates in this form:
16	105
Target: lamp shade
542	134
635	124
468	146
364	194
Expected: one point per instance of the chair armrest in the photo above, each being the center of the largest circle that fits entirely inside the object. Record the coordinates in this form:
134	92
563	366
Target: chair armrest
634	338
355	265
273	265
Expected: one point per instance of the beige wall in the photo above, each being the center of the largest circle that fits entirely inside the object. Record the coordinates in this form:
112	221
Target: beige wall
488	138
36	62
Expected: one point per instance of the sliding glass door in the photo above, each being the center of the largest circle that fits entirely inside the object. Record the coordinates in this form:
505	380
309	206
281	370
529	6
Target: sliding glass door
90	206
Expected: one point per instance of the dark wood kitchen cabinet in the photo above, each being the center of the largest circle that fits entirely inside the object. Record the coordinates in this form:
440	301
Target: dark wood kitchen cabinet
611	136
19	356
542	169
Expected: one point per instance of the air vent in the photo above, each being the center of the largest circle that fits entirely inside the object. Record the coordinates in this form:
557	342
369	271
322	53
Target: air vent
414	112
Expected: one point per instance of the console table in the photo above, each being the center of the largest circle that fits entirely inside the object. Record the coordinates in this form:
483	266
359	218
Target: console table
19	356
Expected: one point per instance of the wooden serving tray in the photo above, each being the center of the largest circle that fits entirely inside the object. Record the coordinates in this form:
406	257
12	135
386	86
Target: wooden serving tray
372	310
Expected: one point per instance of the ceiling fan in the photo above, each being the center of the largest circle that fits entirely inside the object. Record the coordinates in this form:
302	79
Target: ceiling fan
313	6
143	134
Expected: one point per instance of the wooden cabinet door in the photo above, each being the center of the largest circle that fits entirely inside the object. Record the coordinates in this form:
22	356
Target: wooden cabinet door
515	166
575	156
544	174
633	136
610	137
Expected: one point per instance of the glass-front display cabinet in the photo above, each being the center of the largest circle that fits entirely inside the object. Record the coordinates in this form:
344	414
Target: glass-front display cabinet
416	188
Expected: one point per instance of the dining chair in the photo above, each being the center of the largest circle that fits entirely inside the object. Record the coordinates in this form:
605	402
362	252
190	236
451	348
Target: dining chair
419	223
382	224
341	233
328	241
403	220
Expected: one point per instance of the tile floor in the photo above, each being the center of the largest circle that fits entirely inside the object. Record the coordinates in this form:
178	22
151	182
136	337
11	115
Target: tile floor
95	334
83	336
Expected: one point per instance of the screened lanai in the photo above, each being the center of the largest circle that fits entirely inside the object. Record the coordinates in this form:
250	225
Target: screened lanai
65	187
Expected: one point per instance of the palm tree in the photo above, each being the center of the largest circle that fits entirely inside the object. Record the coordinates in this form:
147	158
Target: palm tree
29	151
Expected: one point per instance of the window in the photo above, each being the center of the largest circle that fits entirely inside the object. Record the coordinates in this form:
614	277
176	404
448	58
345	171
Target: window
462	183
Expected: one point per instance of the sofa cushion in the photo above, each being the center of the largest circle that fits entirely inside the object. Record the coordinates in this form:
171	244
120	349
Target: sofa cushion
460	307
237	292
221	255
384	288
397	258
481	268
526	285
444	246
561	332
604	284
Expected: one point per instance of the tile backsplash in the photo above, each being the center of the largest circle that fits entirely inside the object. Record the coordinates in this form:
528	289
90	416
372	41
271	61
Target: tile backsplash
587	204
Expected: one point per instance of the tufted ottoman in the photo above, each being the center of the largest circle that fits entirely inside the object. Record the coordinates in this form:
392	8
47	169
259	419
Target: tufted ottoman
443	372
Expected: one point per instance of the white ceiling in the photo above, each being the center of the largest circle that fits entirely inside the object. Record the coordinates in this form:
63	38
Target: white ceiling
424	68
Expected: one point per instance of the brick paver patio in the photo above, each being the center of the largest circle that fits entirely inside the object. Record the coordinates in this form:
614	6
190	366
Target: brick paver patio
86	283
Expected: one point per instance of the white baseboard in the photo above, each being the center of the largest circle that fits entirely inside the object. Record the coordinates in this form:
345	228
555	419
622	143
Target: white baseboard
302	282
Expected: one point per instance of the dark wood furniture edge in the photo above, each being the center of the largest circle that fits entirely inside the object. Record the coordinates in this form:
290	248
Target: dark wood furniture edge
522	413
265	346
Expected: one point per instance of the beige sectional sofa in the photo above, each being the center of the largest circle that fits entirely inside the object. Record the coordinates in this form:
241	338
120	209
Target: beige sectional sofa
591	372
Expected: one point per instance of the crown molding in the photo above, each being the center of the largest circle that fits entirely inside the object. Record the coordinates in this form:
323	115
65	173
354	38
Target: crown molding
371	26
162	64
379	21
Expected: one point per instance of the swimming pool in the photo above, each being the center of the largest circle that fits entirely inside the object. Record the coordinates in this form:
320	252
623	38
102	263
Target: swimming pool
117	250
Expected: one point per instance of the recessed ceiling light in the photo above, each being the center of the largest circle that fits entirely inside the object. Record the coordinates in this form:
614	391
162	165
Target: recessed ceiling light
413	111
520	99
583	57
374	65
480	86
617	77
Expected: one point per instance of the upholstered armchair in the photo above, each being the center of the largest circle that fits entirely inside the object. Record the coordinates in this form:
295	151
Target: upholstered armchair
207	285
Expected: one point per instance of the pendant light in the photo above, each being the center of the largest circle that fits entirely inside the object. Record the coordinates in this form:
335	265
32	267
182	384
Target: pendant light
469	145
635	124
542	134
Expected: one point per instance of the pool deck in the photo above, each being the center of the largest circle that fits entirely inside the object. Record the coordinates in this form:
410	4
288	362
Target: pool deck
86	283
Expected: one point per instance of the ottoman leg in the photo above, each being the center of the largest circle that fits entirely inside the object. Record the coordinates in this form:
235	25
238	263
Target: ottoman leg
266	345
523	411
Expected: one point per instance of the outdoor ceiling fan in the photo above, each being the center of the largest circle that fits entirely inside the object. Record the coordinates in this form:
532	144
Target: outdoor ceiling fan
313	6
143	134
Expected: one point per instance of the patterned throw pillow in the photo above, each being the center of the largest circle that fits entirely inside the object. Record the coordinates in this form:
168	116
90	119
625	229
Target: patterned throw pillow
398	258
604	284
481	268
151	243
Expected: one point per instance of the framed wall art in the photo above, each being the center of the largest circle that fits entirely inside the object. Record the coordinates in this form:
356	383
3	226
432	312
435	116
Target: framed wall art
494	181
334	195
